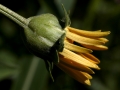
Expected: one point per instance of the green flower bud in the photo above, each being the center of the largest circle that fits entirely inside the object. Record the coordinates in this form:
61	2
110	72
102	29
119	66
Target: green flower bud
44	36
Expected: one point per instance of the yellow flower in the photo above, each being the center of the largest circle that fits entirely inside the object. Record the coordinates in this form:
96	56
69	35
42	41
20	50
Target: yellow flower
76	58
44	37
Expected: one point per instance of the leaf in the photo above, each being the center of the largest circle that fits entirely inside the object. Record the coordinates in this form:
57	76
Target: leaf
8	65
7	58
6	72
33	75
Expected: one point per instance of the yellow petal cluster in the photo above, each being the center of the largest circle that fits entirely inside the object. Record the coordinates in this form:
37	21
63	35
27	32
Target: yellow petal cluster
76	58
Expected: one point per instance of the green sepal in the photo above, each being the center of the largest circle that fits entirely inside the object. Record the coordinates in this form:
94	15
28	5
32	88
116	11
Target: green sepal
49	66
67	18
59	45
41	35
55	56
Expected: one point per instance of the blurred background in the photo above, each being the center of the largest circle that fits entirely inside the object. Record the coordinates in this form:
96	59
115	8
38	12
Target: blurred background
21	70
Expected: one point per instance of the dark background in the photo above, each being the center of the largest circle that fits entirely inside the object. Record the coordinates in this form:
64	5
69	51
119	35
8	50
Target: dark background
16	61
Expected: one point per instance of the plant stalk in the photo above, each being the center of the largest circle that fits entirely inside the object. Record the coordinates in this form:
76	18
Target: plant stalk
13	16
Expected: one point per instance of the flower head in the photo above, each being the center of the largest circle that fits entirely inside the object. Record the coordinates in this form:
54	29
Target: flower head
76	58
68	48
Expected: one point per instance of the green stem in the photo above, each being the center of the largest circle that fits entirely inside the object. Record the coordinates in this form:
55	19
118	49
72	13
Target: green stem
14	16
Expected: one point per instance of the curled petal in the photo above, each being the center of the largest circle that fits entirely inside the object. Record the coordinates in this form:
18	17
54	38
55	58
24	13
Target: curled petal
77	75
75	65
77	58
83	40
92	34
104	40
95	47
87	75
76	48
90	58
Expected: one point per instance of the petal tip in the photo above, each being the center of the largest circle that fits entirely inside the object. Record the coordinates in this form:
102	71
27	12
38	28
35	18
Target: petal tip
87	82
97	67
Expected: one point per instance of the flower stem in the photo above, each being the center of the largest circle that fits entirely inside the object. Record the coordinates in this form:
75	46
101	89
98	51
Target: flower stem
14	16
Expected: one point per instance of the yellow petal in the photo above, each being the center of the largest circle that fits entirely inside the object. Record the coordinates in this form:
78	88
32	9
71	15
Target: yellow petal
76	48
91	58
78	59
74	65
75	74
95	47
92	34
68	40
103	40
87	75
83	40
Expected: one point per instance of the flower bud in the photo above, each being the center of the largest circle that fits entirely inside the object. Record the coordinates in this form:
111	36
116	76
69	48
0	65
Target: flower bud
44	35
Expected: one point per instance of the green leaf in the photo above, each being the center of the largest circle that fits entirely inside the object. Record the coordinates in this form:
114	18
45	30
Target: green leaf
33	75
6	71
8	65
7	58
